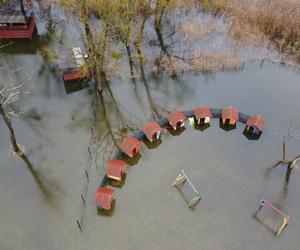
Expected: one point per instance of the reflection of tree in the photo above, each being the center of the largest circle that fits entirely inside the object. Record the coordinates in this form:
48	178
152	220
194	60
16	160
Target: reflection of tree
159	14
10	94
156	111
113	124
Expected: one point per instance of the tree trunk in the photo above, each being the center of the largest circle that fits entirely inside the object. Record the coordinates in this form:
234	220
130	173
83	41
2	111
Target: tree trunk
12	136
23	8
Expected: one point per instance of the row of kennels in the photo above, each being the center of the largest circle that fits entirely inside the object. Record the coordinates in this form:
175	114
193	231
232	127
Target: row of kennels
130	146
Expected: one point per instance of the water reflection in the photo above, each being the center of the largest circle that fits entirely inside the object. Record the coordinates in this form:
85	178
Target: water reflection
112	123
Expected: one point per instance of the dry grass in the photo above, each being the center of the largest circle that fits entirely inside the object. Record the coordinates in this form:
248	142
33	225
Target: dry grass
202	62
279	20
194	29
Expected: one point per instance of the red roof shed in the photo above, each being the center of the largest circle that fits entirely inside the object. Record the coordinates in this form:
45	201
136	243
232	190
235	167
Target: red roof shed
78	74
176	119
152	131
104	198
115	169
202	114
130	146
256	122
230	115
14	25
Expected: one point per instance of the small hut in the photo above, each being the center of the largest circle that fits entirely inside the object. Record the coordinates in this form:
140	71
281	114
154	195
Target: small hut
13	24
202	115
116	169
130	146
255	124
72	64
104	198
176	120
230	116
152	131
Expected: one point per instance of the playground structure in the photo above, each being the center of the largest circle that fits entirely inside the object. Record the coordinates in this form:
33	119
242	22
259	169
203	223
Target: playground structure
266	221
180	180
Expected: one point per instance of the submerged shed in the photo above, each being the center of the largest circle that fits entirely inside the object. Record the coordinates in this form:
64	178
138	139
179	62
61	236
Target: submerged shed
13	24
72	64
176	119
229	116
130	146
202	115
116	169
255	124
152	131
104	198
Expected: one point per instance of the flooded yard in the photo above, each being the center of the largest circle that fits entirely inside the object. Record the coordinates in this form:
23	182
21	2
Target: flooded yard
232	173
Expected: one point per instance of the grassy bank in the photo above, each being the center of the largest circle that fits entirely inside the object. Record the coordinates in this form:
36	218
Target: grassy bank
252	21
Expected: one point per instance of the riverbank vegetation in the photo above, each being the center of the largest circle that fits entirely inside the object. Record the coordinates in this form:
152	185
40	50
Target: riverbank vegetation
178	36
254	21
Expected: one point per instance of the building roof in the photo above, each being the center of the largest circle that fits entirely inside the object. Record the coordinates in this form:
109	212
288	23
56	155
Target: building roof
202	112
115	169
257	121
104	197
129	144
175	117
230	113
151	129
12	17
71	58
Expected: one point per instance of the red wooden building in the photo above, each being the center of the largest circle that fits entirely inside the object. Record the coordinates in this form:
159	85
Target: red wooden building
116	169
104	198
176	119
202	115
73	66
130	146
255	124
152	131
13	25
230	116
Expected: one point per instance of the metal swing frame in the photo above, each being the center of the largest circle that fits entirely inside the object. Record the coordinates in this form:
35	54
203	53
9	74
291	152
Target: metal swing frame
285	217
181	179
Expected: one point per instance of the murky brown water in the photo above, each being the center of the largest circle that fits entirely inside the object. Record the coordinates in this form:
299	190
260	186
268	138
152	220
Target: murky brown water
230	171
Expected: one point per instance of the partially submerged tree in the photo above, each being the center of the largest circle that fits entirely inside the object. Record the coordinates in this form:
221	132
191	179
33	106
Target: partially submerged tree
291	163
10	94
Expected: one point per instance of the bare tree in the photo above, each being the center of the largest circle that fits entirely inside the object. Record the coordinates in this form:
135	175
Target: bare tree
10	94
292	134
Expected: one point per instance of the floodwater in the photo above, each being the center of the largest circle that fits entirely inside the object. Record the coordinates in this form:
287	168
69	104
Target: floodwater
231	172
